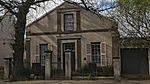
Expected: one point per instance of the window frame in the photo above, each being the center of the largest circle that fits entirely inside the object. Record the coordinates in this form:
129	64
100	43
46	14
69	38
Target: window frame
64	22
42	53
96	55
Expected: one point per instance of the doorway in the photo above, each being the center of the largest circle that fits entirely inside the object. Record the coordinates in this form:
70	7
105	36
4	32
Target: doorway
71	47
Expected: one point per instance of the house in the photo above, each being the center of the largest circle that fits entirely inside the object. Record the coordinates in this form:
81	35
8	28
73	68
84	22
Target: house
6	37
89	37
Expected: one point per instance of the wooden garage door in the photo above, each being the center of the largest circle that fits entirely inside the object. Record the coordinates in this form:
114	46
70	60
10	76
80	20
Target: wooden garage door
134	61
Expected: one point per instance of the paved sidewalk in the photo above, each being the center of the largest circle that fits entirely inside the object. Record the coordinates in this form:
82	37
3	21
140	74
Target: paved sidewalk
79	82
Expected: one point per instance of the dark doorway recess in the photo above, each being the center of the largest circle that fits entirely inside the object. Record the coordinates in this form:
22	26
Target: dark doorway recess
134	61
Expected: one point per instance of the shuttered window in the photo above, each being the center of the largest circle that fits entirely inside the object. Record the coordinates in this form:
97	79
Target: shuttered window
95	52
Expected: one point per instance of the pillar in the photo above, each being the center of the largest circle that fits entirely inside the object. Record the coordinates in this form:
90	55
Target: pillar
116	54
7	68
48	65
68	64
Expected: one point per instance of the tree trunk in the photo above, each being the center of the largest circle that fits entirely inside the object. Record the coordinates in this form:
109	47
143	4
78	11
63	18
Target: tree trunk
18	46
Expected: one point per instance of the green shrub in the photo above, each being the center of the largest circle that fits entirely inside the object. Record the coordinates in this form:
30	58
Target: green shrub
105	71
57	72
92	70
86	70
25	73
20	74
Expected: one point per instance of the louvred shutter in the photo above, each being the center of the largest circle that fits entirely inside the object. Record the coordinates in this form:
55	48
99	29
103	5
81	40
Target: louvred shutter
37	58
50	47
103	54
88	47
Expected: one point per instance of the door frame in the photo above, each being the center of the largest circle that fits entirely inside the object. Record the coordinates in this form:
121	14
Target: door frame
69	41
72	56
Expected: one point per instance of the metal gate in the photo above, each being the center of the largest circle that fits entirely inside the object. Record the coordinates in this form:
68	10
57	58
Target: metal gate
134	61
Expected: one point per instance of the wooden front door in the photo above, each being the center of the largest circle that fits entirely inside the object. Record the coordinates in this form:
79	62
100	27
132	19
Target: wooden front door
71	47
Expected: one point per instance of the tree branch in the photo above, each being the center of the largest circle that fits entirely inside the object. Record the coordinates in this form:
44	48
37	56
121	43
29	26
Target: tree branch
39	1
7	7
84	4
112	7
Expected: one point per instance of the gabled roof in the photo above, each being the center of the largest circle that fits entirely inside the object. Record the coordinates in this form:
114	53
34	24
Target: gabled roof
44	15
70	2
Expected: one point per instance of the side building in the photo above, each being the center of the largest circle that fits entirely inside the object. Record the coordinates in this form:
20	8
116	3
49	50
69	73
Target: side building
6	37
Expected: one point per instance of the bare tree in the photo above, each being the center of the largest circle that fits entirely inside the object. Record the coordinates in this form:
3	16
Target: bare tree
20	9
134	15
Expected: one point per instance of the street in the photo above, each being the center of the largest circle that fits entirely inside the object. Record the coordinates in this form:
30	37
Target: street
79	82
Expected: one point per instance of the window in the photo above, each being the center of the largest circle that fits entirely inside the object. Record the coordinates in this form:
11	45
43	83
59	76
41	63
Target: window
95	54
43	48
68	22
69	46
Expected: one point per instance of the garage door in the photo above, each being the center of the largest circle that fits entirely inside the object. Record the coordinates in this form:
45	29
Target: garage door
134	61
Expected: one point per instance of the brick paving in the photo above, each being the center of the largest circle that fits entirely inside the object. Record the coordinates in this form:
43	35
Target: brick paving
79	82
